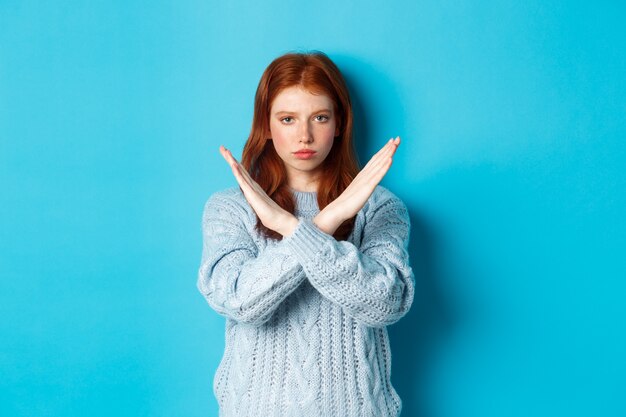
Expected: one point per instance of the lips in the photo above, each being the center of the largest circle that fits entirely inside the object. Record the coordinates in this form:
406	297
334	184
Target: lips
305	154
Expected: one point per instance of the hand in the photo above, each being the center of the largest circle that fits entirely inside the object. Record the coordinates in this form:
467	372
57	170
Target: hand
272	215
356	194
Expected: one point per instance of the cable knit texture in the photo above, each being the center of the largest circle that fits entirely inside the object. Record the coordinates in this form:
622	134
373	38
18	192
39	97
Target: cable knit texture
306	316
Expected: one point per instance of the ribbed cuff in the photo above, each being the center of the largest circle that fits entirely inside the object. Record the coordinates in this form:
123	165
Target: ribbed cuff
307	240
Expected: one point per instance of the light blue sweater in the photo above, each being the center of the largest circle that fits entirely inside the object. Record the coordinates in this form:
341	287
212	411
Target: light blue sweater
306	316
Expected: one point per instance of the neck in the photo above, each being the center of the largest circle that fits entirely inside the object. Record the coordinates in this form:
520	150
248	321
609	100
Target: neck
304	188
302	183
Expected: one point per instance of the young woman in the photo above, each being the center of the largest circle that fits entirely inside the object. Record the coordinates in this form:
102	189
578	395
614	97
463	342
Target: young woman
307	258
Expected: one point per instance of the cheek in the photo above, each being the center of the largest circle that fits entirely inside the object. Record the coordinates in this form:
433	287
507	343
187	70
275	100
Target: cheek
326	132
279	141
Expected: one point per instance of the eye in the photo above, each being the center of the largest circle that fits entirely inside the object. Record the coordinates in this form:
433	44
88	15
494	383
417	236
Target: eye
286	119
322	118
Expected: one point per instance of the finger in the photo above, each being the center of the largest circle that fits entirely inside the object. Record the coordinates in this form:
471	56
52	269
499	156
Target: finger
369	171
235	167
243	172
377	160
252	191
394	146
234	163
376	174
379	157
376	168
243	177
384	149
228	156
223	153
389	148
386	162
380	154
379	164
238	176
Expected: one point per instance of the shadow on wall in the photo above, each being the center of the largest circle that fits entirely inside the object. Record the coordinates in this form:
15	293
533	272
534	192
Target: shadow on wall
375	104
415	338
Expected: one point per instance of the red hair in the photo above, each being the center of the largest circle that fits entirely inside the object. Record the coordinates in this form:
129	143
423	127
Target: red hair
316	73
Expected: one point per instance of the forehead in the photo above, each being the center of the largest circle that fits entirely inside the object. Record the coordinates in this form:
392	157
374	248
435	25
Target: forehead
296	98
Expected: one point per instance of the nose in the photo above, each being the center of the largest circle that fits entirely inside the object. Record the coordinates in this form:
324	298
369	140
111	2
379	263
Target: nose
305	133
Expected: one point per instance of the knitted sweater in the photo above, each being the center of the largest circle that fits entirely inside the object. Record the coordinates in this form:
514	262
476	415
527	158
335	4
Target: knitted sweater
306	315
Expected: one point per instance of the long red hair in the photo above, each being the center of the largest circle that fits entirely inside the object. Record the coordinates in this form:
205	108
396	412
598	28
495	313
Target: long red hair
316	73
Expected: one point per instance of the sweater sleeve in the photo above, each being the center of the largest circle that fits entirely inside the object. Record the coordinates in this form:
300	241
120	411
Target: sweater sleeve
236	280
374	283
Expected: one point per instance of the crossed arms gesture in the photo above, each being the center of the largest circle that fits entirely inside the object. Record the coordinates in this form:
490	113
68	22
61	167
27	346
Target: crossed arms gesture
334	214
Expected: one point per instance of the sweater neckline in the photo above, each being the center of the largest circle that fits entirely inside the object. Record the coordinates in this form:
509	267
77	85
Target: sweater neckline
305	199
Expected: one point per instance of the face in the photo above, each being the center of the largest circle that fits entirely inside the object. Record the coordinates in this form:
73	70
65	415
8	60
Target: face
302	121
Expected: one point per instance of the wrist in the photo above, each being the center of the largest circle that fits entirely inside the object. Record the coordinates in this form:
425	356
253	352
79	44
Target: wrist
288	225
328	220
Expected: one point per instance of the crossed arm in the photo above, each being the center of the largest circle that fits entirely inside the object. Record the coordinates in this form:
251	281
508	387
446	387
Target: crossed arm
374	283
237	281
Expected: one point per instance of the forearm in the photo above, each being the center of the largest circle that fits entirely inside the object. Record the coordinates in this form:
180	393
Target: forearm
239	280
375	286
249	289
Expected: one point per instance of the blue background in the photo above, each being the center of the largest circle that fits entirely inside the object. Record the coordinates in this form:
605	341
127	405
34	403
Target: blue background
512	116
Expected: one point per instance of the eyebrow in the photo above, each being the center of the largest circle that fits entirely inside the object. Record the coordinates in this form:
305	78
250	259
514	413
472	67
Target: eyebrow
292	112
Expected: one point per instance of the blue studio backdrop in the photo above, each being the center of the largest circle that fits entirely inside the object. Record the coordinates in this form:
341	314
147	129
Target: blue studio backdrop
513	124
